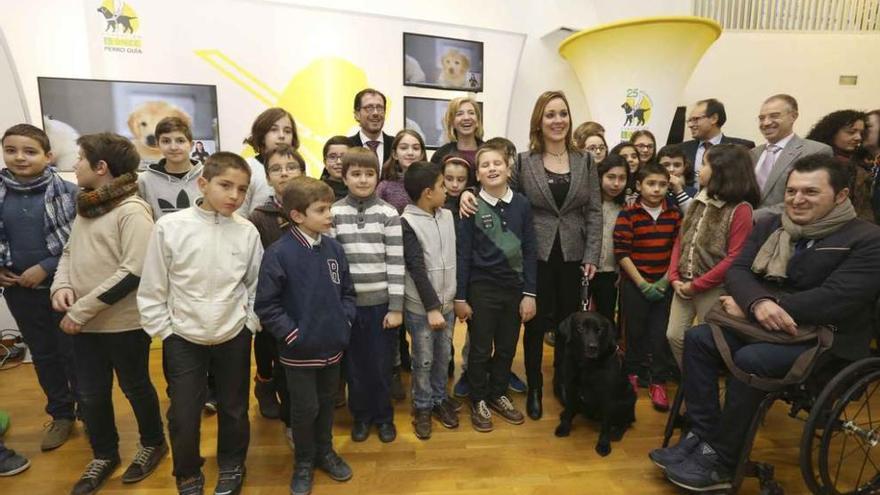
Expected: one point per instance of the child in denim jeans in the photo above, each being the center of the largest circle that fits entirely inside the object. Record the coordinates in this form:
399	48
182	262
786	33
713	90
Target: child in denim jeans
429	253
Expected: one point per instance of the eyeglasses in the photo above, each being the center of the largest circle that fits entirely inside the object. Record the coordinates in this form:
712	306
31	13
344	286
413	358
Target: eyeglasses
289	168
373	109
644	146
695	119
333	157
597	148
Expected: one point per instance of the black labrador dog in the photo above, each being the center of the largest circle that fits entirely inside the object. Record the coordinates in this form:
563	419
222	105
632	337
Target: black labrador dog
592	379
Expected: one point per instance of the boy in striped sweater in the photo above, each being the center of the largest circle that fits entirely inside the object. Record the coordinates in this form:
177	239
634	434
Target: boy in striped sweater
644	235
369	231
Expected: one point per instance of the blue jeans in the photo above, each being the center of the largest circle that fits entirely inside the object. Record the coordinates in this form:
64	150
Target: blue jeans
52	349
726	429
431	350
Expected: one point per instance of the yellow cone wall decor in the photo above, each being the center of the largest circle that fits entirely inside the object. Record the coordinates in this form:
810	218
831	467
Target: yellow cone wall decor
633	72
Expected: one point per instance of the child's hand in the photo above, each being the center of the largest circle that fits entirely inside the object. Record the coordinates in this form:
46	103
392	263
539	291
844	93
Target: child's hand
32	277
661	285
527	308
467	205
677	286
463	311
63	299
676	183
436	320
7	278
69	326
650	292
393	319
688	289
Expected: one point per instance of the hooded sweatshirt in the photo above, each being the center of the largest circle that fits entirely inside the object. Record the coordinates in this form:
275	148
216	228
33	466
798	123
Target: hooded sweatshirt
166	193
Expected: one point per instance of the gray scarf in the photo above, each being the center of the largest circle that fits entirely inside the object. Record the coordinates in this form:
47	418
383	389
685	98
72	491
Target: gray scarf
772	259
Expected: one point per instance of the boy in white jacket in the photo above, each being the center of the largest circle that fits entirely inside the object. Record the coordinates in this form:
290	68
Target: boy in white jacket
197	294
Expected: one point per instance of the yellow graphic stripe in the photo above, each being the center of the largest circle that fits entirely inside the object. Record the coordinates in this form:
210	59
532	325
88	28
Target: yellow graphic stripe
240	76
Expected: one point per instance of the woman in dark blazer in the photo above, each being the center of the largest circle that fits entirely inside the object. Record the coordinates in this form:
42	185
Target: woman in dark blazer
562	186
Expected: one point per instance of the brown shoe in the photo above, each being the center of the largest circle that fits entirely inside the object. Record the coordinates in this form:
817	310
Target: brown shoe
445	415
504	407
481	416
422	423
57	432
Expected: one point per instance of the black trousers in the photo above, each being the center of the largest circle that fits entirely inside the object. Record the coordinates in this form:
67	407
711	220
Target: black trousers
494	324
51	349
128	355
311	415
186	366
559	295
725	431
604	292
265	354
647	349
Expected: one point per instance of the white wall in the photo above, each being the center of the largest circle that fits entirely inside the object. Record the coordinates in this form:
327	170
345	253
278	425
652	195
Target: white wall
741	69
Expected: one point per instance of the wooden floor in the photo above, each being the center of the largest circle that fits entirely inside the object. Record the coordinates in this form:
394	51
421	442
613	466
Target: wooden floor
515	460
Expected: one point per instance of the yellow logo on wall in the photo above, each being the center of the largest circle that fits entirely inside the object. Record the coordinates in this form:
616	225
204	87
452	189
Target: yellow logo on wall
320	97
637	111
121	24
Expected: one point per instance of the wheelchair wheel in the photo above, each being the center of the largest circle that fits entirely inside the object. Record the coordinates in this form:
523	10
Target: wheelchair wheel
849	452
822	419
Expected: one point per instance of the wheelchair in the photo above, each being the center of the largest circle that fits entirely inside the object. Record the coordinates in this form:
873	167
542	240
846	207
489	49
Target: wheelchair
840	443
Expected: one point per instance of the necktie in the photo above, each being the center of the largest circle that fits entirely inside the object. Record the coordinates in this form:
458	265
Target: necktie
763	171
706	145
374	147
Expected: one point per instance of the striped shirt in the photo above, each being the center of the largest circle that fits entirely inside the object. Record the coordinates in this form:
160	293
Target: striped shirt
369	231
647	242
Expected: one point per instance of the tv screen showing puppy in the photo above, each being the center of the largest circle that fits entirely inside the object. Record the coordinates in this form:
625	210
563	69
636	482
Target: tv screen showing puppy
73	107
445	63
425	116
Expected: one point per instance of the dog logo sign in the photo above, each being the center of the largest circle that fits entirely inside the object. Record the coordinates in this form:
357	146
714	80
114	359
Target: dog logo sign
636	110
120	27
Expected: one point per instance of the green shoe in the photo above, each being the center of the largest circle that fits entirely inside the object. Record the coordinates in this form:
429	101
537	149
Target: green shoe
4	422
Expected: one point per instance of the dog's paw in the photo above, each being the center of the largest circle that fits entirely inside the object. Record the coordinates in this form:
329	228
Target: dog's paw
603	448
563	430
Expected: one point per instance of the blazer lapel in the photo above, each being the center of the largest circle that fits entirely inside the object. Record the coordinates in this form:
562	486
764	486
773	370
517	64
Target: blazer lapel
535	168
786	156
578	170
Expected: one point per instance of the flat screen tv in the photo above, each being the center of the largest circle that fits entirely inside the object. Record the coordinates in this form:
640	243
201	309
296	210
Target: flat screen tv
73	107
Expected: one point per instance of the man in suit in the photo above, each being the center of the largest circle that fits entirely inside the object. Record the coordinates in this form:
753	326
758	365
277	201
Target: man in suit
773	159
369	111
705	122
829	276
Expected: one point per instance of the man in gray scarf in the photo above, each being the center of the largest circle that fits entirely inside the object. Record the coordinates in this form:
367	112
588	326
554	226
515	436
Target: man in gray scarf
815	264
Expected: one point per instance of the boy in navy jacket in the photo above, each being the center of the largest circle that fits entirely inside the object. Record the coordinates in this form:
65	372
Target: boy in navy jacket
306	300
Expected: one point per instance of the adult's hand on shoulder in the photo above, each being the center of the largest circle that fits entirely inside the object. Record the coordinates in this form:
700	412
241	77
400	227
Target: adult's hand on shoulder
772	317
467	206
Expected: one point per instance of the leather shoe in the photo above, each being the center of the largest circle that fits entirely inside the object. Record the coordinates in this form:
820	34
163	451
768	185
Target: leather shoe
387	432
360	431
534	407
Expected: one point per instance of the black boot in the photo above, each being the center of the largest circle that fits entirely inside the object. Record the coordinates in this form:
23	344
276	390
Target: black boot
534	407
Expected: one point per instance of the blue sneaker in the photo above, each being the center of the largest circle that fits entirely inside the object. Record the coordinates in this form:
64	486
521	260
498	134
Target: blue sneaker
677	453
702	471
462	388
516	385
